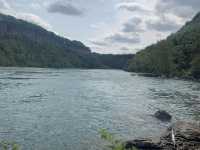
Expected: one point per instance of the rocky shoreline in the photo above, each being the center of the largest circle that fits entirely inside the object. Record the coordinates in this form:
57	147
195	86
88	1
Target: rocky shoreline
179	136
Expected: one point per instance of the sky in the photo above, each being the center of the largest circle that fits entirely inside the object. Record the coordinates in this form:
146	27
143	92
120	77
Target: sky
106	26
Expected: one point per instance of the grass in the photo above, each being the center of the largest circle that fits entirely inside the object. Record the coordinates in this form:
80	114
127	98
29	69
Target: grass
5	145
113	143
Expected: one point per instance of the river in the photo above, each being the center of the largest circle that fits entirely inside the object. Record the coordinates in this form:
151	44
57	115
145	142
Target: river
63	109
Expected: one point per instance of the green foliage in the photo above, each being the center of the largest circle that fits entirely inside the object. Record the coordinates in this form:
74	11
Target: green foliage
195	70
114	144
178	55
115	61
5	145
27	45
153	60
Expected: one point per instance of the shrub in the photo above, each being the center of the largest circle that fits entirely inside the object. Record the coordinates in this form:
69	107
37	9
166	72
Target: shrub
5	145
113	143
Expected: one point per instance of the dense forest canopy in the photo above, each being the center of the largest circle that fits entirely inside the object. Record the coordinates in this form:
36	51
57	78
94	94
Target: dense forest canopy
28	45
178	55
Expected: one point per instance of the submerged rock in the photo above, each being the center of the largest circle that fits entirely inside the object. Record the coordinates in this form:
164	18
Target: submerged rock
186	137
163	115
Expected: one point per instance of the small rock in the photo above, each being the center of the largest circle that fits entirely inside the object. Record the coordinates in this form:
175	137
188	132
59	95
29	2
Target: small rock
163	115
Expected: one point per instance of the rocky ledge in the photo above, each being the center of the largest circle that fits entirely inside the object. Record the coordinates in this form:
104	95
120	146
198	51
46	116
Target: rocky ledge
179	136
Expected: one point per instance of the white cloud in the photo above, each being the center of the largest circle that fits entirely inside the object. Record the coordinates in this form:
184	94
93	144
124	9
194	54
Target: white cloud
163	24
4	4
133	7
7	9
182	8
134	25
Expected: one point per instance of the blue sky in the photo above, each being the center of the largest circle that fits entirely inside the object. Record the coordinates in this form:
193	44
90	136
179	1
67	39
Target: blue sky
106	26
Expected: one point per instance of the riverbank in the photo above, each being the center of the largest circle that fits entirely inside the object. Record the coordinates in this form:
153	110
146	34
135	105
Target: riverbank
179	136
165	77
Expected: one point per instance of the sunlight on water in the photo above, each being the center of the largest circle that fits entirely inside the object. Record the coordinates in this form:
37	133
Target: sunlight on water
64	109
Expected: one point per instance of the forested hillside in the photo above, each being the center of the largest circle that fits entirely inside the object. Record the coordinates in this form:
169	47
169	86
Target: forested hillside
28	45
178	55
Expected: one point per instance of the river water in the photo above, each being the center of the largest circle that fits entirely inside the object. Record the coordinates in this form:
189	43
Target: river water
52	109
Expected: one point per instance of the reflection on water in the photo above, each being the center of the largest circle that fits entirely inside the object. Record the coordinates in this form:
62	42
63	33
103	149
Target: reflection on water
157	94
64	109
34	98
189	100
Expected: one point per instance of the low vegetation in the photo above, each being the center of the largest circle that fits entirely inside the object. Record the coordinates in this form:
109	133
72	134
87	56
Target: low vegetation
113	143
5	145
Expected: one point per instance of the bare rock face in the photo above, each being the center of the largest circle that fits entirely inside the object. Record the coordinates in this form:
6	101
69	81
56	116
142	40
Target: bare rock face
186	137
163	115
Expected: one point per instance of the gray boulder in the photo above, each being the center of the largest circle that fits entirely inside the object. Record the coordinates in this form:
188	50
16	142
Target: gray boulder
163	115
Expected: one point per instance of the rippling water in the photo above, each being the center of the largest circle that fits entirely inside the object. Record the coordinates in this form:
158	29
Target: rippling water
49	109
